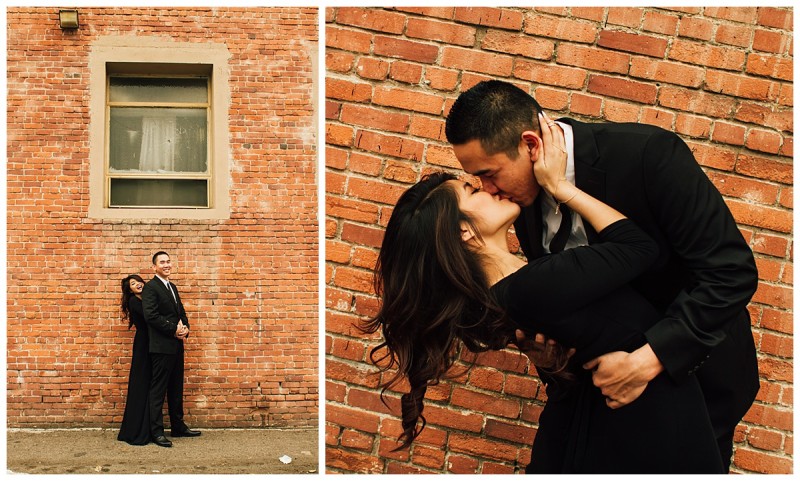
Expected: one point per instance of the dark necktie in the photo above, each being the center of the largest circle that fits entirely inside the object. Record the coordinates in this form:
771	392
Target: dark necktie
560	238
169	288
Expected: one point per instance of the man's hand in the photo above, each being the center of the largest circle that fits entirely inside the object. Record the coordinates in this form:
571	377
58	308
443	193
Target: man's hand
540	350
622	377
182	332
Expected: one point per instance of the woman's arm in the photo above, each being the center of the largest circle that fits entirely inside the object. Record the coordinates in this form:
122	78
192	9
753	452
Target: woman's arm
549	169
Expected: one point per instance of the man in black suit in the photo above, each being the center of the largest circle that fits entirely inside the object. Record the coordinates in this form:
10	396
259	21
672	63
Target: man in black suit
168	327
705	274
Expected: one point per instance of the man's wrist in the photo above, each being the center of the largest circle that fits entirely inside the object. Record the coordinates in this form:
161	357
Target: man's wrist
647	362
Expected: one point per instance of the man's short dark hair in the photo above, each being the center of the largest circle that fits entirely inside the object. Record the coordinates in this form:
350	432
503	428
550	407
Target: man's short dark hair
495	113
159	253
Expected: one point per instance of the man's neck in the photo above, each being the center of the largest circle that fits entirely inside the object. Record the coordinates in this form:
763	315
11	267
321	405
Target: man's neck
162	279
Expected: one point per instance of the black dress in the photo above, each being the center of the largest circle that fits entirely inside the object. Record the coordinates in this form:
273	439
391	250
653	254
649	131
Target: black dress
135	428
579	297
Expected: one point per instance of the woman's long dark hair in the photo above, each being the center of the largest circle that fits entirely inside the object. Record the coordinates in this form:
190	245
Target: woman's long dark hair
434	294
126	296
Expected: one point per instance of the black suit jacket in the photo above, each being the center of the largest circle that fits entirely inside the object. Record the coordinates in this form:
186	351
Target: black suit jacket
162	315
705	273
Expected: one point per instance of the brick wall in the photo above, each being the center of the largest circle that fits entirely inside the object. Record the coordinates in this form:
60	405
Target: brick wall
249	283
719	77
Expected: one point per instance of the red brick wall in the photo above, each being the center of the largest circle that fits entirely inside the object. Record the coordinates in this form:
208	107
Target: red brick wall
719	77
249	283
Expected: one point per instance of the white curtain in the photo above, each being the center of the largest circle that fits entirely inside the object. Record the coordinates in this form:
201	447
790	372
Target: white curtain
158	144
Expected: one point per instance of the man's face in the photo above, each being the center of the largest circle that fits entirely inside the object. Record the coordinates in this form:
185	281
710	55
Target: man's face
163	266
500	175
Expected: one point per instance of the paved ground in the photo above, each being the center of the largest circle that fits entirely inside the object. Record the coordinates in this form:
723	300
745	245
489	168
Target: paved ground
218	451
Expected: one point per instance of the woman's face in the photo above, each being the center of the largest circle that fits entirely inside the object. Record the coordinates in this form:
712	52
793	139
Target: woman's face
136	286
490	213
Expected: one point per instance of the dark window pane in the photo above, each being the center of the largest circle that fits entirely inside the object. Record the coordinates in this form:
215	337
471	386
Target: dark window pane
157	193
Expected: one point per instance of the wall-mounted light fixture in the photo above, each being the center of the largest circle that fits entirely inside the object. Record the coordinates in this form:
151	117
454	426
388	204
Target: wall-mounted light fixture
68	19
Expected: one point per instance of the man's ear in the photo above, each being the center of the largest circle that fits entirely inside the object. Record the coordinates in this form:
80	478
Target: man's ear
532	142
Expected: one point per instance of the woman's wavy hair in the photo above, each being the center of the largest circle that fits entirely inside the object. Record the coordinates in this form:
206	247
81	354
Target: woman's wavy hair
434	294
126	296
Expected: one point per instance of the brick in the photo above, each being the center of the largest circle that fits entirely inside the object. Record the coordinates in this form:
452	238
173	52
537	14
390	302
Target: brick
441	79
775	17
740	86
428	457
778	220
692	126
764	141
346	39
586	105
704	55
669	72
460	464
484	403
770	41
475	61
374	118
427	127
408	100
764	168
516	44
484	448
780	120
776	345
371	19
400	172
593	59
660	22
779	321
760	462
490	17
615	111
769	244
697	28
351	461
770	66
406	72
562	77
349	91
622	89
560	28
735	14
437	12
338	61
365	164
700	103
552	99
744	188
658	117
444	32
509	432
595	14
764	439
625	16
734	34
442	156
355	279
406	49
728	133
372	68
389	145
641	44
341	135
357	440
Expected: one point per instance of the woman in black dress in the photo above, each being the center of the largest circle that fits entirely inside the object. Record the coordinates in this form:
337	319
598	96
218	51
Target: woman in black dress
445	275
135	428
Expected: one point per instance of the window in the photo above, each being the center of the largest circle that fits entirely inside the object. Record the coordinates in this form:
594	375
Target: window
158	137
158	141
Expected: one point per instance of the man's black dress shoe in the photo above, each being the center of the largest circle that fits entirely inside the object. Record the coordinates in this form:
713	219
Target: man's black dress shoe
185	433
162	441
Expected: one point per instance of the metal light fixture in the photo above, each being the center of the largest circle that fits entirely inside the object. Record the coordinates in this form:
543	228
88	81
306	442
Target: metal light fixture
68	19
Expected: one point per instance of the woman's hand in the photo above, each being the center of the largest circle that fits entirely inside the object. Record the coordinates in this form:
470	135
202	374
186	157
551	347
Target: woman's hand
551	163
